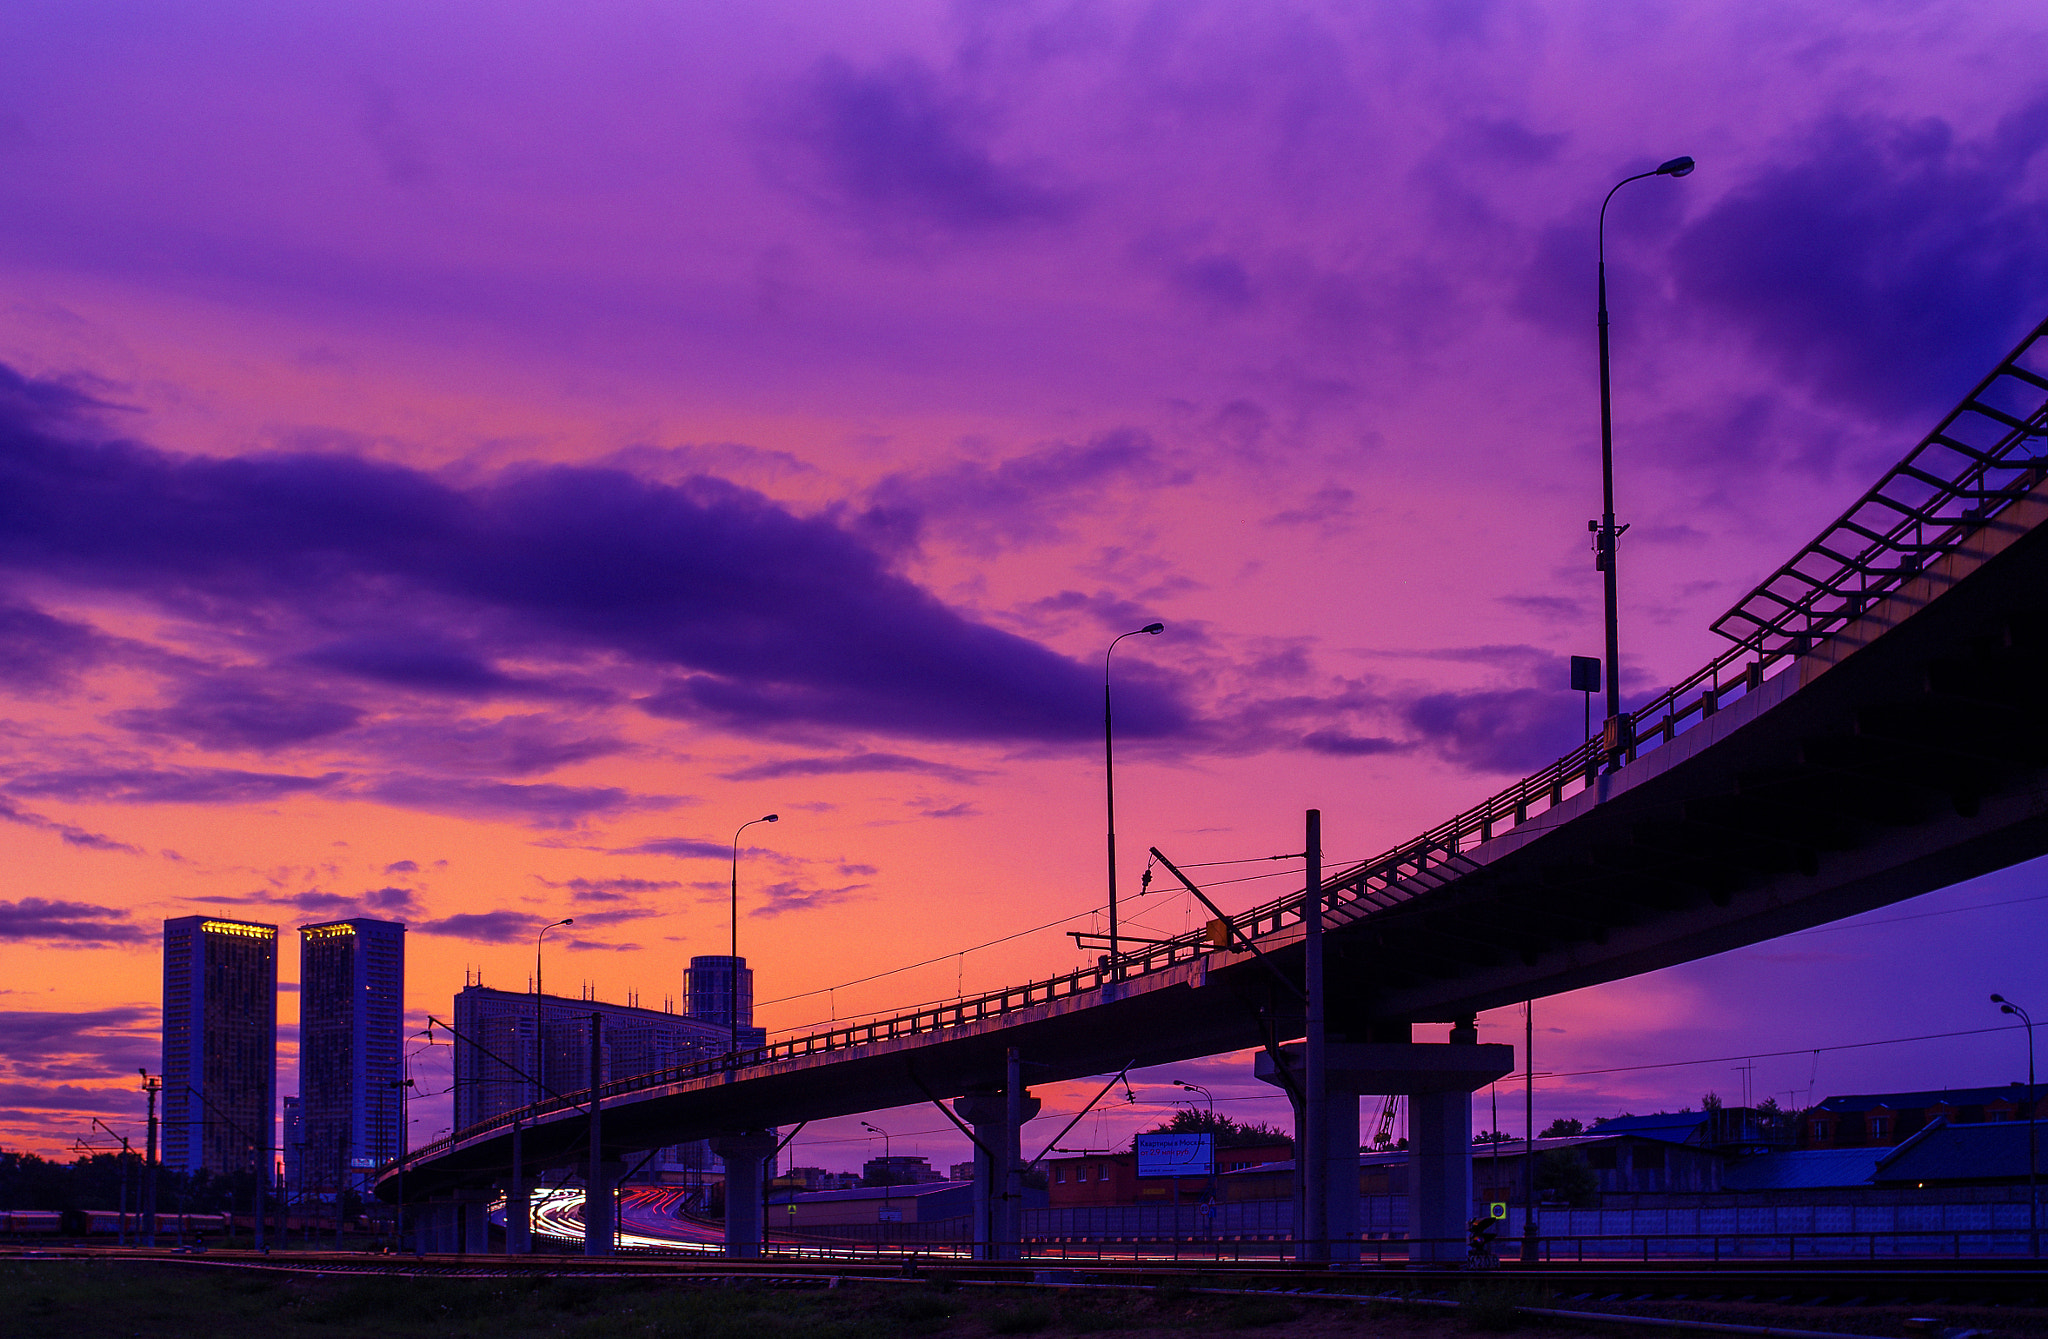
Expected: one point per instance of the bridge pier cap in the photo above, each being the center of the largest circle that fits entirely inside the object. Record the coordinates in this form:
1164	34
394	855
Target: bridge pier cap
1409	1068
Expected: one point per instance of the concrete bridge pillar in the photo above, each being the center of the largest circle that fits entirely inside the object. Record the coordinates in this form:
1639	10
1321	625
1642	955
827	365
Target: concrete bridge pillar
518	1218
439	1224
475	1210
745	1154
601	1206
1438	1079
998	1181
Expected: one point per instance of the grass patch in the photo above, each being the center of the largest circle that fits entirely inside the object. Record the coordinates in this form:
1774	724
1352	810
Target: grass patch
1254	1312
1491	1306
1021	1318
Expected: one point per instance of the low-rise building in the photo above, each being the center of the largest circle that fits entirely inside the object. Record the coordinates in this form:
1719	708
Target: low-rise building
1883	1120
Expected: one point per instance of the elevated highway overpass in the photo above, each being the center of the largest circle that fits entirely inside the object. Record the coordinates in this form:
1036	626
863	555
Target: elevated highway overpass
1873	731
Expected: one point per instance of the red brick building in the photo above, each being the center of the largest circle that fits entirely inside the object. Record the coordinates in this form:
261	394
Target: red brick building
1876	1120
1086	1179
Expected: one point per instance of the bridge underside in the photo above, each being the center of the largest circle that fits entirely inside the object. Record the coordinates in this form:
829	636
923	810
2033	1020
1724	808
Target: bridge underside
1904	754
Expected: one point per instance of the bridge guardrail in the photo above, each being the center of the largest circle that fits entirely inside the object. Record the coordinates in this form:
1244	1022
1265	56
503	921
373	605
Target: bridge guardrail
1975	457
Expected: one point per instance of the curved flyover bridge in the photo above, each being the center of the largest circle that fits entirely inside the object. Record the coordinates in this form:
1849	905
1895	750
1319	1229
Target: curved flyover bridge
1872	732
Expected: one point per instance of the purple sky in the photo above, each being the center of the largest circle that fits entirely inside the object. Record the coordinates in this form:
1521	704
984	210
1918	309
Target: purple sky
459	462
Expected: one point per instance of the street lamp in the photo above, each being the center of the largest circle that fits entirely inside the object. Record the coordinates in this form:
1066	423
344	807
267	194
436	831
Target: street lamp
539	1062
1605	532
1109	775
2006	1006
732	966
888	1164
1198	1088
517	1199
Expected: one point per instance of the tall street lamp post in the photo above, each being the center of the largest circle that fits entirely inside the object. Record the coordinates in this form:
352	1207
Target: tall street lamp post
539	1062
888	1165
518	1200
1210	1098
1605	531
1109	776
2006	1006
732	966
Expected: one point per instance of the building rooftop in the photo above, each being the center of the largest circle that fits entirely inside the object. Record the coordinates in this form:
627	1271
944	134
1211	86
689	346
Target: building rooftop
1953	1097
1983	1151
1808	1169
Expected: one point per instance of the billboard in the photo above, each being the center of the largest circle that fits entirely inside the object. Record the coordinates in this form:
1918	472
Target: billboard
1176	1154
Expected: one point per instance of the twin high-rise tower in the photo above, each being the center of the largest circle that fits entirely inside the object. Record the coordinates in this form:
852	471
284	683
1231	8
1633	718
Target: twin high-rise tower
220	1046
351	1015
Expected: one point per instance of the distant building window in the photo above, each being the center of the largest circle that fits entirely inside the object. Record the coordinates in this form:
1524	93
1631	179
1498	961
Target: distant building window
1991	1113
1059	1175
1820	1130
1878	1126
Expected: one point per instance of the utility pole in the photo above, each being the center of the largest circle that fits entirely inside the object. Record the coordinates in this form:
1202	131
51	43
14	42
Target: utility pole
1315	1133
598	1244
1529	1133
151	1087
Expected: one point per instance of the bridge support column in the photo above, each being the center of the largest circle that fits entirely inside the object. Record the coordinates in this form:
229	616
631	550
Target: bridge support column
476	1222
518	1218
1438	1080
998	1125
1439	1174
601	1206
745	1155
439	1223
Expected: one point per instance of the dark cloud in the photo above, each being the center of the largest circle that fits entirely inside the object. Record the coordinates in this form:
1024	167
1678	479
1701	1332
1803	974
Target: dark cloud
40	653
389	903
1330	507
540	804
1556	608
678	846
78	923
410	660
169	785
854	762
775	620
1514	730
900	150
1345	745
779	898
505	745
609	890
104	1039
1885	263
72	835
486	927
402	867
983	505
228	714
964	809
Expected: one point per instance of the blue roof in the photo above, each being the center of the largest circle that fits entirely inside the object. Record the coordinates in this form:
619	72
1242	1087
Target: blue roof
1809	1169
1952	1097
1986	1151
1673	1127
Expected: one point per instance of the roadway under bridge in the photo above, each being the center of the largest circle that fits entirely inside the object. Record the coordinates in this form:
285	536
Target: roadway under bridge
1873	732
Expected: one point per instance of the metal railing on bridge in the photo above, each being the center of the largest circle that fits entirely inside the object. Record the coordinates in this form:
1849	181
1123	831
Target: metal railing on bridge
1978	460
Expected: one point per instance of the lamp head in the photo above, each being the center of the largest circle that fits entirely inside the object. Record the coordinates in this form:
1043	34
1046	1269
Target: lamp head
1153	629
771	818
566	920
1677	167
2007	1009
1997	998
